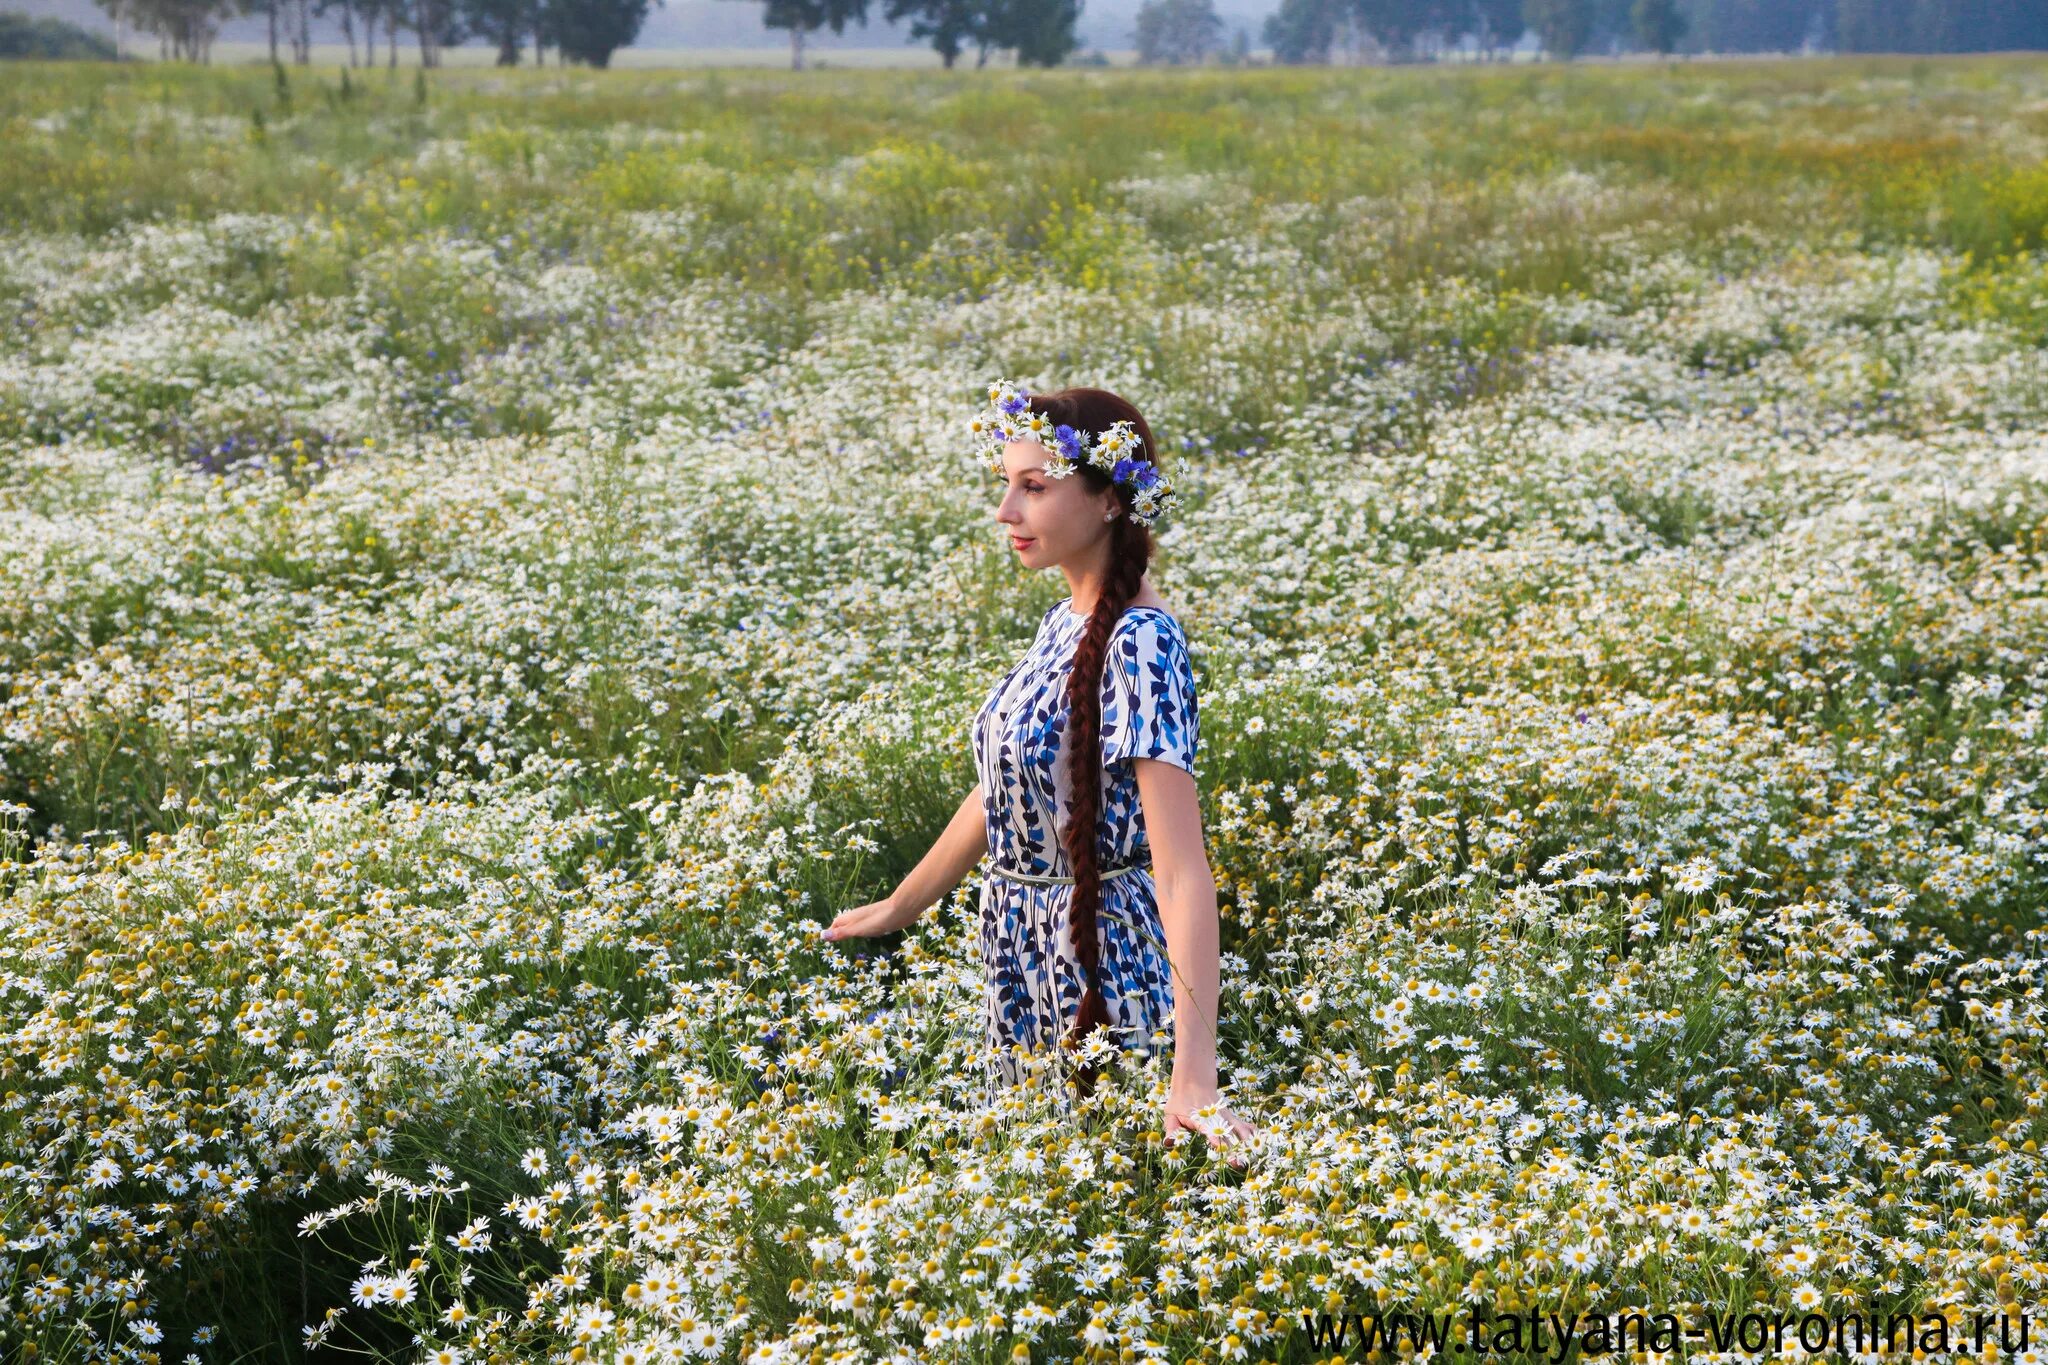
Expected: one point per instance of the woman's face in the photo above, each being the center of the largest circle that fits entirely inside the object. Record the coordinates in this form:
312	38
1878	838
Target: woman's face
1050	521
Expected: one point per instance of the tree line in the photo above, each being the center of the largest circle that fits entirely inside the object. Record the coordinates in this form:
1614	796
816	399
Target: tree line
582	31
1412	30
1181	31
25	39
1042	32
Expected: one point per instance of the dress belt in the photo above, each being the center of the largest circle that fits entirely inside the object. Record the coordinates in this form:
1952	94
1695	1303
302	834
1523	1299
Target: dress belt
1108	874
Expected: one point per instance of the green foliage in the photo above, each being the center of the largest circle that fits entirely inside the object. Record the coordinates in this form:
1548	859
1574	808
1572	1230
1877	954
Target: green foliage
46	39
1657	24
1562	26
1178	31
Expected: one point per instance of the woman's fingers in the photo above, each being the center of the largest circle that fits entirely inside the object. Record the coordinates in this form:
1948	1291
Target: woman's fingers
870	920
1239	1130
1219	1143
855	923
1224	1138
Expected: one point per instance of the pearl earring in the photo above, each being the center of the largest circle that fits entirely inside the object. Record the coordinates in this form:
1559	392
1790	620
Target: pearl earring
1109	516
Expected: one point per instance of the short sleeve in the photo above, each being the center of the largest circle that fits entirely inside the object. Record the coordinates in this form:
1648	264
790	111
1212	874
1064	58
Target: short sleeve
1148	694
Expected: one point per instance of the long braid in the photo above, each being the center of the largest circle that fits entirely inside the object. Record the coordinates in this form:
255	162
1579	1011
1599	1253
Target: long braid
1130	552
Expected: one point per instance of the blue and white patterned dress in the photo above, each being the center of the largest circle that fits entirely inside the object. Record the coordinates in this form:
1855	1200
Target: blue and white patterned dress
1034	981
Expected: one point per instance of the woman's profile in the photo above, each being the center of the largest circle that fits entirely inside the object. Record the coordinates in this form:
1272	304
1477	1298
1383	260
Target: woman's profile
1099	908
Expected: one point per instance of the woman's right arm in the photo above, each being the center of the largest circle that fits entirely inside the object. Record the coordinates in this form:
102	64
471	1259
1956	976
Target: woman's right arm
953	855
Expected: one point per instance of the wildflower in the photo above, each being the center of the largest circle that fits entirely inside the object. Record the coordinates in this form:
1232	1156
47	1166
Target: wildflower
530	1212
1694	876
1477	1243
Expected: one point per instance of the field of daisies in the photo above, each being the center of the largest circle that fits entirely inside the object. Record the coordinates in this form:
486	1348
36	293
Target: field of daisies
494	563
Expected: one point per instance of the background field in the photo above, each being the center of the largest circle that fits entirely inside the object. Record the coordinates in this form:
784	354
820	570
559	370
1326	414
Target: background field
495	561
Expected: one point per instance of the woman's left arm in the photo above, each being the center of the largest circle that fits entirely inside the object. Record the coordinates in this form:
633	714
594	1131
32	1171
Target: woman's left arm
1187	911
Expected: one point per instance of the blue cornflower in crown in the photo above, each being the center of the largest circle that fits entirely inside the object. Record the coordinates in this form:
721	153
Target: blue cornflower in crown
1117	451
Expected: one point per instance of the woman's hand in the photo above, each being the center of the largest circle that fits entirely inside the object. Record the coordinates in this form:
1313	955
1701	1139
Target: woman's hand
865	921
1182	1102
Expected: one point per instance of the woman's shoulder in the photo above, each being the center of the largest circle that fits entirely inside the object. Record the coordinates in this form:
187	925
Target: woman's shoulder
1161	615
1148	636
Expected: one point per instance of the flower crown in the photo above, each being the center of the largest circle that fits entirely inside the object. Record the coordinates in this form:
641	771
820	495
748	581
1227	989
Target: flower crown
1116	451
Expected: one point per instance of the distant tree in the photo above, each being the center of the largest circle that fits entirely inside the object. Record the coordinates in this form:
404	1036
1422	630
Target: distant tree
808	16
122	12
1178	32
1447	23
438	24
51	40
392	14
1393	24
1562	26
1498	24
1657	24
590	31
1940	28
350	11
1752	25
2009	25
1940	25
950	25
1239	53
1873	26
504	24
185	29
270	9
1040	31
1609	29
1303	30
1409	29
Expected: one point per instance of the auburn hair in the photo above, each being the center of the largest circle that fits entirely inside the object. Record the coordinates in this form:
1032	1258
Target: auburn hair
1130	553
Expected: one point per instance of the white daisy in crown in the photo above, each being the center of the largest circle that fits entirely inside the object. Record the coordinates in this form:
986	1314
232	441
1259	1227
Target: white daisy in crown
1117	451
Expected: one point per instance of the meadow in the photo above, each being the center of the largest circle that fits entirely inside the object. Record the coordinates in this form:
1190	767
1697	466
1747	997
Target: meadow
494	562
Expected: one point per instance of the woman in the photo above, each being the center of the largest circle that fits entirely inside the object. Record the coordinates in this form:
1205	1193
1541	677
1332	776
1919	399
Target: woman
1096	722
